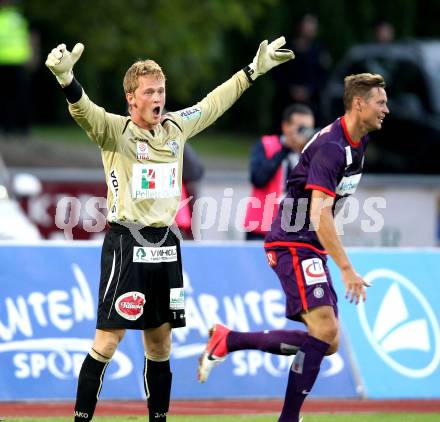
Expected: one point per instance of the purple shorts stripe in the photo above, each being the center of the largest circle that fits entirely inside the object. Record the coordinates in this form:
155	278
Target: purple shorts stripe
299	278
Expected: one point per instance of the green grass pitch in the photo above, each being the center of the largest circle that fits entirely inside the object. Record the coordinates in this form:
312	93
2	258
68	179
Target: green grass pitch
373	417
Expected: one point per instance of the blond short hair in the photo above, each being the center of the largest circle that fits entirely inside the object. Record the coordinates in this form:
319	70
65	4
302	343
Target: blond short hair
360	85
141	68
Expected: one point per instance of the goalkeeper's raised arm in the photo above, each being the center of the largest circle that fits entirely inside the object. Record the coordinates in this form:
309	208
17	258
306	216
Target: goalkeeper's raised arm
99	125
192	120
201	115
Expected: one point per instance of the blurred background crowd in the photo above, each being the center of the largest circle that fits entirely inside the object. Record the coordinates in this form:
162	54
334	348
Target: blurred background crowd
199	46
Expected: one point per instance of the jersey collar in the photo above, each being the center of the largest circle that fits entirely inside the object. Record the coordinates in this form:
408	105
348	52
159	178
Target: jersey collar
352	142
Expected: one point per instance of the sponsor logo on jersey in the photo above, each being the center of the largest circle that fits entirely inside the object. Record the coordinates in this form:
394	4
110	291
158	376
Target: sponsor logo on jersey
174	147
173	177
114	187
154	255
348	184
153	181
177	299
348	157
148	178
313	271
142	151
190	113
130	305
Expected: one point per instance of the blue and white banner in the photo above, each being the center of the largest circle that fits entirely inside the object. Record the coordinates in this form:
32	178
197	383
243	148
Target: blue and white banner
395	334
47	320
48	295
233	284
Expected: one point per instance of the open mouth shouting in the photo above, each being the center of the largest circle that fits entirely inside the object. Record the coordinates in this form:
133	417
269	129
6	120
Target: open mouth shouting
156	112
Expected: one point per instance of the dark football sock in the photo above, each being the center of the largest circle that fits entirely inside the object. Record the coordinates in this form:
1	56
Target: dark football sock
302	376
157	383
89	386
279	342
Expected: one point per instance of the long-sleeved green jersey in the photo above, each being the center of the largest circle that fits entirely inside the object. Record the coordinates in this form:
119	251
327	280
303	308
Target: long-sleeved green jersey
143	168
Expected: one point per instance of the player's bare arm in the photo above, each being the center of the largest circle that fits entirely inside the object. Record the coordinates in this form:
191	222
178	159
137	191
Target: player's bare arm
322	219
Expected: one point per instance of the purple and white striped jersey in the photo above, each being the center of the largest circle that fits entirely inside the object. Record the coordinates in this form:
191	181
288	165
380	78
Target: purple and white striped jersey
332	163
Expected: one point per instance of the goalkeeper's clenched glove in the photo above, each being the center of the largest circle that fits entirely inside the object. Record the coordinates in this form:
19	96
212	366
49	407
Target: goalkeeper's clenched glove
267	57
60	62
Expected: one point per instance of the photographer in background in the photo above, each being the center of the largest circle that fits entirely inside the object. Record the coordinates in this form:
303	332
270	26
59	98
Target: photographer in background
272	159
192	174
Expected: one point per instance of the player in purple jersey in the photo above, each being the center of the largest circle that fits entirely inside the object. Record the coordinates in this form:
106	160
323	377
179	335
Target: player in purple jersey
302	235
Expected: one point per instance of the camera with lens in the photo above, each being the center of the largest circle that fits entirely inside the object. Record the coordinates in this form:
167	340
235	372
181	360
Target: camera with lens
307	132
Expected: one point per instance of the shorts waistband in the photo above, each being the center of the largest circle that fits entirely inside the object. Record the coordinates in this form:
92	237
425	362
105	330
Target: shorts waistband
270	245
142	229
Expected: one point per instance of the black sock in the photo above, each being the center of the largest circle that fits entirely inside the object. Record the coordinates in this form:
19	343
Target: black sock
89	387
157	383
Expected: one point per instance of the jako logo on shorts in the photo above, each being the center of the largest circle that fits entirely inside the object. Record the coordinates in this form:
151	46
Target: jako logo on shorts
130	305
402	327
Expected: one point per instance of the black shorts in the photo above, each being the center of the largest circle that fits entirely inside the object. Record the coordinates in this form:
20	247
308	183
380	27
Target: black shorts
141	282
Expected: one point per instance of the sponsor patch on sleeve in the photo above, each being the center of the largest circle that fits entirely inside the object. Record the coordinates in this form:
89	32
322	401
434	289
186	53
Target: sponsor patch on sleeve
190	113
314	272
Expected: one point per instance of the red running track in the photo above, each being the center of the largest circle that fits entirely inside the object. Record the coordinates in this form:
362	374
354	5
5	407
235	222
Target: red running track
220	407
